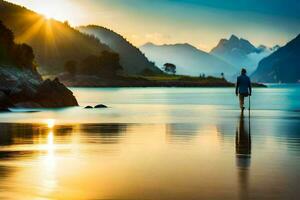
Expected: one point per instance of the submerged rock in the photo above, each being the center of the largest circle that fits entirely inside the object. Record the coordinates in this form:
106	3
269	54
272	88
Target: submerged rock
100	106
97	106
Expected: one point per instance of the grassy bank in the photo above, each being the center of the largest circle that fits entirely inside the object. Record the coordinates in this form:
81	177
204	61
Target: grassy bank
161	80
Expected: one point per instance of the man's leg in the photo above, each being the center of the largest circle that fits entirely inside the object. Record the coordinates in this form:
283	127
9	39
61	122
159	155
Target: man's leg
242	98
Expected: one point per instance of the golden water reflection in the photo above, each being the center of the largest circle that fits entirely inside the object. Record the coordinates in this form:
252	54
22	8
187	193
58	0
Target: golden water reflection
131	161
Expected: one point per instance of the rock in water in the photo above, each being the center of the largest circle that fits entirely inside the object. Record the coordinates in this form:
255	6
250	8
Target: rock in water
88	107
100	106
54	94
4	101
25	88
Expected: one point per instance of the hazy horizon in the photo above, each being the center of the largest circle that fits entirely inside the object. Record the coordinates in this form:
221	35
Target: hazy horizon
197	22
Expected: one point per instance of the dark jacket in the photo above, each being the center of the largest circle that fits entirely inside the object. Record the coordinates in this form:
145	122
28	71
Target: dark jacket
243	85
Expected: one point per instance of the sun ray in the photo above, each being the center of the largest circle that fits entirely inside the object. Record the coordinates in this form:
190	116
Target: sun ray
51	38
31	31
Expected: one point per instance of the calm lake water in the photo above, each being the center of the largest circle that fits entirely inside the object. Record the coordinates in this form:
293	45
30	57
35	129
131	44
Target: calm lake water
155	143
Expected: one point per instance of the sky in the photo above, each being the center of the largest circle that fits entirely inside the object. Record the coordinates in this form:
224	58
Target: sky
201	23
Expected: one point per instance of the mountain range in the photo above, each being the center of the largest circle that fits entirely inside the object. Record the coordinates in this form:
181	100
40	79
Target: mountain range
281	66
188	59
240	52
55	43
131	58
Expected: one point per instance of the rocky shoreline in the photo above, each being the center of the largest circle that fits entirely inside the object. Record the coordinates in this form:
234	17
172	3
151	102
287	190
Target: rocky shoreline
24	88
21	85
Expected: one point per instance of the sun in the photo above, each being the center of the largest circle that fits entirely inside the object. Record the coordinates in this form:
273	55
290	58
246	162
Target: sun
54	9
51	12
50	123
61	10
47	16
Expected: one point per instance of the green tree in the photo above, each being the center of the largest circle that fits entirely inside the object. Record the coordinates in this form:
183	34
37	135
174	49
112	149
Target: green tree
6	43
170	68
222	75
110	63
105	65
20	55
23	56
66	22
202	75
71	67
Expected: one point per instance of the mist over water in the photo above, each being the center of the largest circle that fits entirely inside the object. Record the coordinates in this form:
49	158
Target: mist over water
155	143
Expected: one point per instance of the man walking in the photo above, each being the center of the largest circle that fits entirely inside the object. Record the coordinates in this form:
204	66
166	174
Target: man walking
243	88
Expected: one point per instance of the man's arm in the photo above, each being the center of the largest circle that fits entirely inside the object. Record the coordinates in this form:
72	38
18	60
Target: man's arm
250	87
237	86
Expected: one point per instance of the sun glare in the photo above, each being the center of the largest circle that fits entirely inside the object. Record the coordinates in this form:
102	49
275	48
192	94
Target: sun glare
50	13
47	16
50	123
56	9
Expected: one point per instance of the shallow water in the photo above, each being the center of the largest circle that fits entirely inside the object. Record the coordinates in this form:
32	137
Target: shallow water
155	143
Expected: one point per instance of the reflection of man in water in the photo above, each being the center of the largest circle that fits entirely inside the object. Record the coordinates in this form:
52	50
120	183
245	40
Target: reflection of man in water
243	152
243	87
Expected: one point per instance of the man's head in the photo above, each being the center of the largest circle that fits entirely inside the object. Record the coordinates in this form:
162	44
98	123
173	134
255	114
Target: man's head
243	71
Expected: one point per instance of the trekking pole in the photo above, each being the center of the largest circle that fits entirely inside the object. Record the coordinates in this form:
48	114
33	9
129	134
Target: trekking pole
249	130
249	103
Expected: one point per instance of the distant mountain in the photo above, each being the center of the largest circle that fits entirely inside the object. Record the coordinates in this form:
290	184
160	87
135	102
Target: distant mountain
131	58
275	48
240	52
234	45
281	66
53	42
188	59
